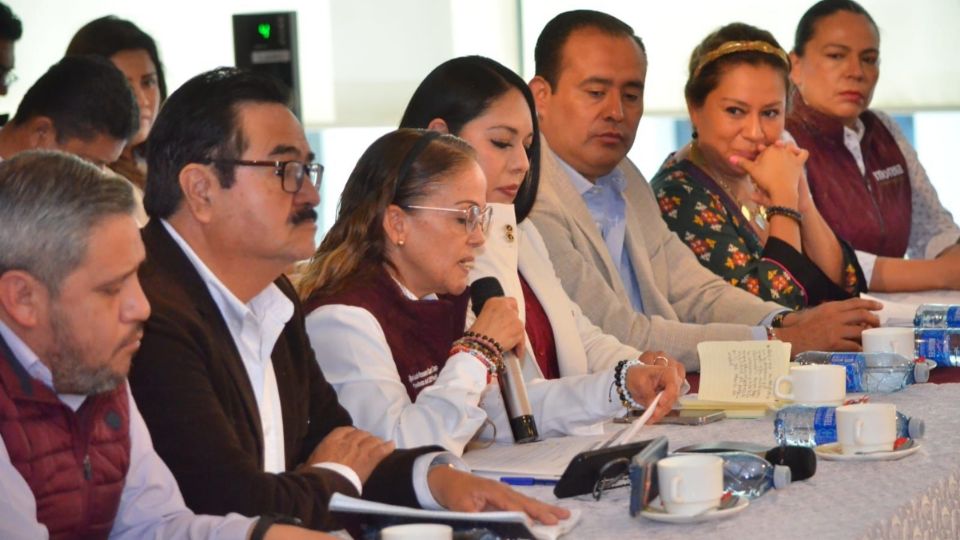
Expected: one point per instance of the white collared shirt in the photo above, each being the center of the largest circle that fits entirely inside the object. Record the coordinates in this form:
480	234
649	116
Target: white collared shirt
255	328
852	137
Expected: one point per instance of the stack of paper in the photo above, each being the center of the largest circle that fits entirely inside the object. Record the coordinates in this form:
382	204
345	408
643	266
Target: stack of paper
738	376
504	524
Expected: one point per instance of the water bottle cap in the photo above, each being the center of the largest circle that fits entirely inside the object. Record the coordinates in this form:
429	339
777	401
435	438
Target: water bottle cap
781	476
916	428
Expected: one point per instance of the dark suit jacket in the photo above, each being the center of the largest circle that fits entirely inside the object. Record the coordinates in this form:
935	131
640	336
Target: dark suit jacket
193	391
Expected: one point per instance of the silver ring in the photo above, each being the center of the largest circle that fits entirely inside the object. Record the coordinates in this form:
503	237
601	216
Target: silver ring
666	361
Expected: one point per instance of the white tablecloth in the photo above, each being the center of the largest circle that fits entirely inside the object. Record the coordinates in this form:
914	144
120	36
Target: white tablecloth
899	308
917	497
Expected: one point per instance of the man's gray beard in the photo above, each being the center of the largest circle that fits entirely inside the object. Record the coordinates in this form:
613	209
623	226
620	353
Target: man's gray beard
71	375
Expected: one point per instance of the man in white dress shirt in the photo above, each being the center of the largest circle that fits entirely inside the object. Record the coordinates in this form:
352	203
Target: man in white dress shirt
226	378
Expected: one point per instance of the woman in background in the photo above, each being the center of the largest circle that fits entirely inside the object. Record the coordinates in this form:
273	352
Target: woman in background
736	194
864	175
134	53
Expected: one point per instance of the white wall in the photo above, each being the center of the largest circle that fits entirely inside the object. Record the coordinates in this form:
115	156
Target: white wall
361	59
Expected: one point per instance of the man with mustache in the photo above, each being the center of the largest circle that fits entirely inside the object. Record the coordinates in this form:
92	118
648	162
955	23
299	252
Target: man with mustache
76	459
226	378
615	256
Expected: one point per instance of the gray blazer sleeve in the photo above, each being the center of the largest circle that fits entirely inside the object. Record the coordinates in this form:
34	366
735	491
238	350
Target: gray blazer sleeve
686	291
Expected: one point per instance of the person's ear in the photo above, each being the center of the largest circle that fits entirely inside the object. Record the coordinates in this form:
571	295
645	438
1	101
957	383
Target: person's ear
41	133
439	125
542	91
795	69
200	185
694	114
395	225
23	298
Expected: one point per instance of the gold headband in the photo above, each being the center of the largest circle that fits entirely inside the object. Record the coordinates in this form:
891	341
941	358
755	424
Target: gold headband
731	47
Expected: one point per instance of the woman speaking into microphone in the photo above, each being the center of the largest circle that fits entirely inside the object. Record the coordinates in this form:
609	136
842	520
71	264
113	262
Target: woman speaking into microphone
408	234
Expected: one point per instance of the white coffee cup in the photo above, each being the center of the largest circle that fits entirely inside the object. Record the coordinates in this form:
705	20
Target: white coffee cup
417	531
816	384
690	484
866	427
889	339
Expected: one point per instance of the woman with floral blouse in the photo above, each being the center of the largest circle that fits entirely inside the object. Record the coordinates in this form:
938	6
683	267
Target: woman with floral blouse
737	195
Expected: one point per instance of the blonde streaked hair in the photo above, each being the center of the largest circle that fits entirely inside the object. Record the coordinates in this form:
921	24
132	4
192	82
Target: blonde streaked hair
399	168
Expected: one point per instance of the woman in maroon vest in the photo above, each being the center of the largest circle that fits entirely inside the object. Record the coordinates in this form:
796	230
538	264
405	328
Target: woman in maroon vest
863	174
710	191
386	301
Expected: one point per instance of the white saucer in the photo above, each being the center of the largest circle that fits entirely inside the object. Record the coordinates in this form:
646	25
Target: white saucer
656	512
831	452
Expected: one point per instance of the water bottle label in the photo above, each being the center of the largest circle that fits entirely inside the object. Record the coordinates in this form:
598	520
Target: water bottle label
941	346
854	364
825	425
953	316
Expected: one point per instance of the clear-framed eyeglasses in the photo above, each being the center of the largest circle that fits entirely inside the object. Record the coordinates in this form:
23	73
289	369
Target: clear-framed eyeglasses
292	173
473	217
612	475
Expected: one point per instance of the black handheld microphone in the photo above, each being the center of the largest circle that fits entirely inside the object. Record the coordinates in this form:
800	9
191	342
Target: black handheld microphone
510	377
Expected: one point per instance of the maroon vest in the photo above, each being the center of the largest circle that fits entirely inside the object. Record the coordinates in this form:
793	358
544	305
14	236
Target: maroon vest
419	332
74	462
540	332
871	211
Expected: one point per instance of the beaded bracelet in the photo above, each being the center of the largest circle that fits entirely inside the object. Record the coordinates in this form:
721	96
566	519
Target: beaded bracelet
488	351
772	333
479	352
785	212
620	381
486	339
483	348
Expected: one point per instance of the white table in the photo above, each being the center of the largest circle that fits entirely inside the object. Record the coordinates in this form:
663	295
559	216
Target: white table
917	497
899	308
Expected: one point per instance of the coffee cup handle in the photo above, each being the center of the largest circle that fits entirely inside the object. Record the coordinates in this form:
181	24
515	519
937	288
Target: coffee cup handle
674	494
778	383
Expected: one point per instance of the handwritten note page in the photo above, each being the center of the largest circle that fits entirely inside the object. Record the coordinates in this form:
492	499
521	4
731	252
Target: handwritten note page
741	371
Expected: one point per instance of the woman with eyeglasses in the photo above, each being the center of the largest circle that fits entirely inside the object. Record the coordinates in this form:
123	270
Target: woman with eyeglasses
385	292
452	408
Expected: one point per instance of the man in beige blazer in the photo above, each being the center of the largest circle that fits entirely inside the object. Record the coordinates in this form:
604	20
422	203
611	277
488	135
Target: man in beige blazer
591	71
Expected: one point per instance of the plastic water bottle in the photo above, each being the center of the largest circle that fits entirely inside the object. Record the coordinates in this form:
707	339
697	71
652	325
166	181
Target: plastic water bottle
941	345
813	426
872	372
749	475
937	316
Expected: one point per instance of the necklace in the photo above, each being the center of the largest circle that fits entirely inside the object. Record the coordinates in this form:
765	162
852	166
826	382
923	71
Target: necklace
759	219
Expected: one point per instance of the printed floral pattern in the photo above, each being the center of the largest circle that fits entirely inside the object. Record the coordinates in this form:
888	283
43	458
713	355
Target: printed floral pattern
724	243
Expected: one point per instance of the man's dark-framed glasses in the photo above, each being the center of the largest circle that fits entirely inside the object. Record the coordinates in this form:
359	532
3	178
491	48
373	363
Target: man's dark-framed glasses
292	173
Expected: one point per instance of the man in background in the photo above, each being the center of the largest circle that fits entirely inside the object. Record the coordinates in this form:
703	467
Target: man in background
10	31
82	105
